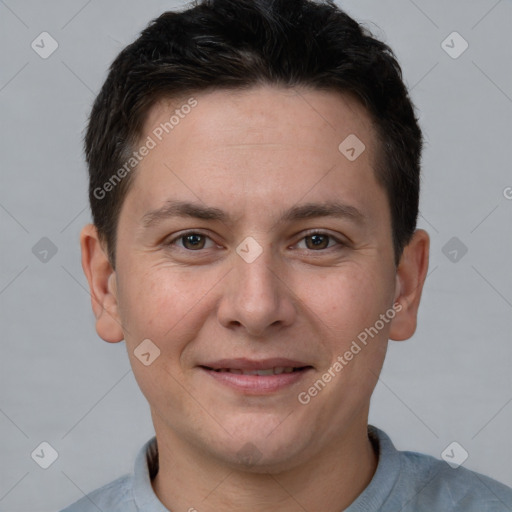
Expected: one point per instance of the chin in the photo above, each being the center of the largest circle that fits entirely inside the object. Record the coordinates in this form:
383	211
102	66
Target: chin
261	449
251	459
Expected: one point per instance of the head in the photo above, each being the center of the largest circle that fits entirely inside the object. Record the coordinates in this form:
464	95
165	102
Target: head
254	185
232	46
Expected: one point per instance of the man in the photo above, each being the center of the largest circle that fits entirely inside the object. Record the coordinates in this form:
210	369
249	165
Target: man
254	183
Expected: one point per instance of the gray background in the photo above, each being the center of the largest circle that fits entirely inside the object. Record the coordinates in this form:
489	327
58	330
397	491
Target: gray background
62	384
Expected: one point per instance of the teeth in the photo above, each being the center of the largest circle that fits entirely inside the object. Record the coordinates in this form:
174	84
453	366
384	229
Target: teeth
283	369
269	371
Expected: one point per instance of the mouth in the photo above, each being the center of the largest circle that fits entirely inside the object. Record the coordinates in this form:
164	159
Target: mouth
257	377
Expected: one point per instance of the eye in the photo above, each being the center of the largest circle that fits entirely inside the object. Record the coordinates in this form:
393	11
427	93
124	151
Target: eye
195	241
318	240
191	241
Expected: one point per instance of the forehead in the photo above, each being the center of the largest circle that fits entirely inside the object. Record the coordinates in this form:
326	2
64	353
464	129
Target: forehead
271	145
310	117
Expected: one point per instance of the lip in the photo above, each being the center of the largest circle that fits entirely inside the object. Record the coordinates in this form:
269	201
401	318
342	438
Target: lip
254	364
256	384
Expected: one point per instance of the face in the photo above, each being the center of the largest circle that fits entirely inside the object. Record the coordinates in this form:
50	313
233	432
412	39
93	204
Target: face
253	253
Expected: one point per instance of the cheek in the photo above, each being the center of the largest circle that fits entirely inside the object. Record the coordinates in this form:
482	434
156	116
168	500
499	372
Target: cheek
164	305
348	300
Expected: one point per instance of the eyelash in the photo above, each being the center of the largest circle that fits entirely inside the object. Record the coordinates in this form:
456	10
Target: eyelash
308	234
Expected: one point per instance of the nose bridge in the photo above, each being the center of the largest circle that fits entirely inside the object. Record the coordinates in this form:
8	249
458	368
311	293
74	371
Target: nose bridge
255	297
255	279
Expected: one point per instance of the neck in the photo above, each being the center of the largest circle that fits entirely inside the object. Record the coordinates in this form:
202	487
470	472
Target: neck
189	481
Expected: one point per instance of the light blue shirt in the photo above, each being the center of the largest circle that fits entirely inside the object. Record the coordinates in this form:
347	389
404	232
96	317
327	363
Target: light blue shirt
403	481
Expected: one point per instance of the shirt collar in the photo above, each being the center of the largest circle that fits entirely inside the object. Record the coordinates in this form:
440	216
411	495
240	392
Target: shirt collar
385	477
146	467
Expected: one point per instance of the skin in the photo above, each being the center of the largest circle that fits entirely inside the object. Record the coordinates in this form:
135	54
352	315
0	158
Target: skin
255	154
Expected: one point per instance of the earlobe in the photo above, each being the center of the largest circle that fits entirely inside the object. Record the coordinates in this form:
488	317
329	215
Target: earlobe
102	285
410	278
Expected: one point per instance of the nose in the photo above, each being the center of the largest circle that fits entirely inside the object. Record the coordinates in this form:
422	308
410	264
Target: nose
257	297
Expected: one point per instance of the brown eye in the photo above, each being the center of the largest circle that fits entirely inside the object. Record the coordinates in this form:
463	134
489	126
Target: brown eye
318	241
191	241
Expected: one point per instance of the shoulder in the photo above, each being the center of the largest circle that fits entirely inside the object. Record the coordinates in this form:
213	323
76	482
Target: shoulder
115	496
428	483
414	482
129	493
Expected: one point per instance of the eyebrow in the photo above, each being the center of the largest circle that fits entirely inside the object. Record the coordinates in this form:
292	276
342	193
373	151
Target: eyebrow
176	208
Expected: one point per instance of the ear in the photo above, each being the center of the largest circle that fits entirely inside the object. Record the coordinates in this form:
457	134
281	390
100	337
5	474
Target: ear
102	284
410	277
